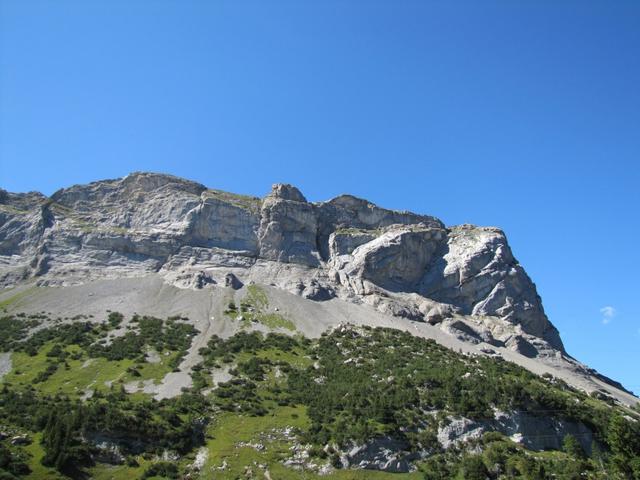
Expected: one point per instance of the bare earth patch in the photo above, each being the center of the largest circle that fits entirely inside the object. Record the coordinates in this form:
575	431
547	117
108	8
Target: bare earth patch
5	364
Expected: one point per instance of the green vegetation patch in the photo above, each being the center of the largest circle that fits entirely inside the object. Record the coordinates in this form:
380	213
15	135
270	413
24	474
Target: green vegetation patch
15	329
12	210
246	202
289	401
254	308
357	384
64	427
78	357
239	443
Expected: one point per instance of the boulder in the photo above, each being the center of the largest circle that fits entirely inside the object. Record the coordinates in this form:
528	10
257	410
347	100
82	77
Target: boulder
231	281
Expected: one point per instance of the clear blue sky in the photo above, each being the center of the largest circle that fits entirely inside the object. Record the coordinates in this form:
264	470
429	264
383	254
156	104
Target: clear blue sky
524	115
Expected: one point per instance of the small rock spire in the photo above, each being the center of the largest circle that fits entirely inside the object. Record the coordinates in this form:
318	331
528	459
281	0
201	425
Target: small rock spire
285	191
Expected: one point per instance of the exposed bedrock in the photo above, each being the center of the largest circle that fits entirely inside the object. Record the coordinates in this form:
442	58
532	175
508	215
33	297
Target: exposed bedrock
405	264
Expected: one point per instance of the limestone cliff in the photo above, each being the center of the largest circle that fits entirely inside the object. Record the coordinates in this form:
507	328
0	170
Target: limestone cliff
464	278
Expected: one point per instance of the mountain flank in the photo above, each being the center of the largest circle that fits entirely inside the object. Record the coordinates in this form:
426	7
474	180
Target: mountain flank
154	328
184	245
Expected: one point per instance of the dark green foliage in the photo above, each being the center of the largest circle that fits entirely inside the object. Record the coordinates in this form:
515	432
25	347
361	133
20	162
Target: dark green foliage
372	382
571	446
46	373
437	467
199	378
254	368
12	465
13	331
472	467
161	469
150	332
218	349
623	437
231	308
150	426
24	409
498	452
115	319
364	383
239	395
634	467
171	334
79	333
528	467
57	351
62	442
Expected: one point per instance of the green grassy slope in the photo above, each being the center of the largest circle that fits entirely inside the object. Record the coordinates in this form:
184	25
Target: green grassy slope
292	408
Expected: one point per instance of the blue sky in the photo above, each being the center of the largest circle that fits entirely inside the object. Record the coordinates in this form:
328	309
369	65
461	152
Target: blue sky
524	115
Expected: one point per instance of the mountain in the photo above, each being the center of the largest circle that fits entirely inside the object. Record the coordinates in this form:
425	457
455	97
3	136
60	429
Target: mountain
462	279
89	272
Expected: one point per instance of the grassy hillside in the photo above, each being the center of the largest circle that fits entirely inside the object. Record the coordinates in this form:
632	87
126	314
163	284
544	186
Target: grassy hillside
278	407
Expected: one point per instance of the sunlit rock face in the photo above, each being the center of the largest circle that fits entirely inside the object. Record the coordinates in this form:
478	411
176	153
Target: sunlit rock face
402	263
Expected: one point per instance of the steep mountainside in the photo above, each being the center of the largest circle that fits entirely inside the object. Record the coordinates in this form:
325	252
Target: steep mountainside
405	264
463	280
154	328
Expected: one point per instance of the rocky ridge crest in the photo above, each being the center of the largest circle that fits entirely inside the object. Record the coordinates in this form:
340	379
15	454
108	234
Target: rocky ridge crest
463	278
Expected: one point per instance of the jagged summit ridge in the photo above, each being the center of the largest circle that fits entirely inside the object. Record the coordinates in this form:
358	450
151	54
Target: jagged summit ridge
404	264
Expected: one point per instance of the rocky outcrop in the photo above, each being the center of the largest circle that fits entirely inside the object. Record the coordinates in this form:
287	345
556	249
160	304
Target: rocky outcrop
397	259
288	227
402	263
478	273
382	453
221	224
535	432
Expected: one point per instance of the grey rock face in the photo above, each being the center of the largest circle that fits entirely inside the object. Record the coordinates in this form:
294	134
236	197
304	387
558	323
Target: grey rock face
542	432
344	243
217	223
460	430
398	259
478	273
402	263
383	453
23	218
351	215
288	227
537	433
230	280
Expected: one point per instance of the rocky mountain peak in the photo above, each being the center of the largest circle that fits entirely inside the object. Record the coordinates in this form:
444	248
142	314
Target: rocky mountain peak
402	263
136	186
284	191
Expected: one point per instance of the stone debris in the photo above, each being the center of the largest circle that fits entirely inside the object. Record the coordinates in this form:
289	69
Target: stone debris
20	440
258	447
5	364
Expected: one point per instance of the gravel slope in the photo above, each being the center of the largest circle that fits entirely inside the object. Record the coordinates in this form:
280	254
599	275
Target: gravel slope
205	308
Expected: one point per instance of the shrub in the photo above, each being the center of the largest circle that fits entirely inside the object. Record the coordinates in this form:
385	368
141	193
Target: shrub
473	468
161	469
571	446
